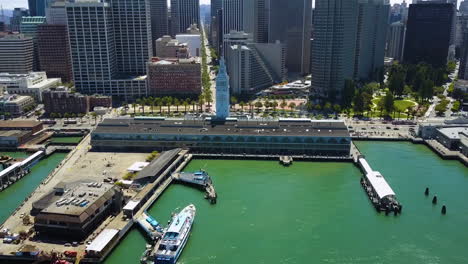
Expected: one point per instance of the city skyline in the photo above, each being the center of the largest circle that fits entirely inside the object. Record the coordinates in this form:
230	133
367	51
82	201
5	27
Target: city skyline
8	4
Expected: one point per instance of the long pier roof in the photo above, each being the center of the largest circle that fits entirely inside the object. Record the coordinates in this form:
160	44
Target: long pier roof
286	127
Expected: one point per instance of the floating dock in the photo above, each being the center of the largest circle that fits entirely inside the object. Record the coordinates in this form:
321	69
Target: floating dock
378	190
18	170
200	180
150	226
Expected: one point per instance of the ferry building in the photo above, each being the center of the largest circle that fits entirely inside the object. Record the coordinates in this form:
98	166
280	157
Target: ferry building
275	137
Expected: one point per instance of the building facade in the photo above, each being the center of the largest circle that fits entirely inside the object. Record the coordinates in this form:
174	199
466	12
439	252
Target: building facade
183	14
371	35
290	23
59	214
254	66
16	105
28	28
334	46
38	7
428	33
193	39
33	83
54	51
166	47
396	41
174	77
280	137
109	58
131	23
56	13
16	54
15	20
159	22
61	100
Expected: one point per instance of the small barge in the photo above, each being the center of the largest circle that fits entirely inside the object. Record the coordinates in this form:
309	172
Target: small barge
199	179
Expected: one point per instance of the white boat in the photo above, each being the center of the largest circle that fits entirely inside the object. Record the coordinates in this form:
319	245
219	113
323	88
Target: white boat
175	237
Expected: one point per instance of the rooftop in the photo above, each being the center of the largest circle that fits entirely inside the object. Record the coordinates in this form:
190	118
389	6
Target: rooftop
453	132
78	197
19	123
13	133
281	127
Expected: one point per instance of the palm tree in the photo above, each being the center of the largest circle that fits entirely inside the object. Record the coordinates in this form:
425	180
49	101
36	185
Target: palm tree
258	105
177	103
242	105
274	104
283	105
66	115
134	108
201	101
150	101
233	102
292	105
94	115
158	103
186	103
251	108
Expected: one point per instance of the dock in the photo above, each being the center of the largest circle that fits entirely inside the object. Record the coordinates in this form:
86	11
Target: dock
377	188
150	226
18	170
200	180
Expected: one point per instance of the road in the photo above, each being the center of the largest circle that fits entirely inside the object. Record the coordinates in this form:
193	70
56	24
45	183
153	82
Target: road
210	68
431	113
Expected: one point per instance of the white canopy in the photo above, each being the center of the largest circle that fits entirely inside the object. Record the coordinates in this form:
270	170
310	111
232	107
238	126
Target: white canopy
102	240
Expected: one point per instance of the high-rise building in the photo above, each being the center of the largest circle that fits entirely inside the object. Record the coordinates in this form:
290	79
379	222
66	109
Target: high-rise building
28	28
159	26
37	7
16	54
110	45
54	51
246	15
253	66
464	7
217	35
183	14
131	24
215	6
56	13
222	92
396	41
428	33
334	46
15	20
370	38
463	70
289	22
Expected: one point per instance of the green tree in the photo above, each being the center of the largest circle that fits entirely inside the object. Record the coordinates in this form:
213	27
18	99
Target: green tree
396	80
186	103
283	105
233	102
292	106
389	103
348	94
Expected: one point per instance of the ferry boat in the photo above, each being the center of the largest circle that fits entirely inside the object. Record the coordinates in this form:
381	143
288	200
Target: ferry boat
173	241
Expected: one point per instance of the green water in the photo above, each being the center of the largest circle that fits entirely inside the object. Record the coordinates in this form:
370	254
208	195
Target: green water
65	140
14	195
318	212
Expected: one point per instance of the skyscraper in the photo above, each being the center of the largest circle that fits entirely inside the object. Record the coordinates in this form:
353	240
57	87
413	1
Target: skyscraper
216	5
15	20
183	14
54	51
28	28
428	33
333	51
159	26
37	7
396	41
16	54
110	45
290	23
370	38
222	92
132	32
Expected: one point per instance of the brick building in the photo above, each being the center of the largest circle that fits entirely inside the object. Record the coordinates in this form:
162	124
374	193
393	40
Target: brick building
174	77
23	125
54	51
62	100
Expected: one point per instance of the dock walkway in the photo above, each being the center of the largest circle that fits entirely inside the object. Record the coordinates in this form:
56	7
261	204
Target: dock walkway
200	180
18	170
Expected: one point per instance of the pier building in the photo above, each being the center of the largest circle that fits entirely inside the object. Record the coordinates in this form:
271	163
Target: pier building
275	137
73	210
